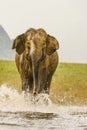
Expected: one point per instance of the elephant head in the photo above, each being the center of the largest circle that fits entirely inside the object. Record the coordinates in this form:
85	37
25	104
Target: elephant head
35	45
38	45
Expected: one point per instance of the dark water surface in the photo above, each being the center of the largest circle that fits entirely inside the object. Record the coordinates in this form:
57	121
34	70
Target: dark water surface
20	112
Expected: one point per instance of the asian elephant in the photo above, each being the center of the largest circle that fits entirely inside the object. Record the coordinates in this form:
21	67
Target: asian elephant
36	59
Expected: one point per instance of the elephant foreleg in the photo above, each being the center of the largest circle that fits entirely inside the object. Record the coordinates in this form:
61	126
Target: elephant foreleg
43	79
25	85
30	82
47	84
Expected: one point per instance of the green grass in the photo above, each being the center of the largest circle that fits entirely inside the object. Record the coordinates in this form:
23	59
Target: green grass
69	84
9	74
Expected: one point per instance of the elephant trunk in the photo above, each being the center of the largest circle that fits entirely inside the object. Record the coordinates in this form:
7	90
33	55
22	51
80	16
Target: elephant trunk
35	67
36	78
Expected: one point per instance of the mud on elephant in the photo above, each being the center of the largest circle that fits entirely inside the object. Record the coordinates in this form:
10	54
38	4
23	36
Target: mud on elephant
36	59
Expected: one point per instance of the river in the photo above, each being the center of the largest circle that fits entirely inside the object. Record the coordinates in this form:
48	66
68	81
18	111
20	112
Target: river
27	112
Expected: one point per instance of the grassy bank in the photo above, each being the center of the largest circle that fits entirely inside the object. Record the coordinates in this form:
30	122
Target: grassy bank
69	84
9	74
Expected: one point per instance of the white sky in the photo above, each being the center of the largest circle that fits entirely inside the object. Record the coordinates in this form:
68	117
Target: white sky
64	19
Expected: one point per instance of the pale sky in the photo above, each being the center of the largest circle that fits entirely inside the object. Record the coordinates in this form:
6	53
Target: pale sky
64	19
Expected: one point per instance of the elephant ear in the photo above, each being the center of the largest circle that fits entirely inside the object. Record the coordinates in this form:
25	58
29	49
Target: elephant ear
52	45
19	44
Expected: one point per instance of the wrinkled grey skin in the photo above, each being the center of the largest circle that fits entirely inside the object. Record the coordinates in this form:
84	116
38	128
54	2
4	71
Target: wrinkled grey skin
36	59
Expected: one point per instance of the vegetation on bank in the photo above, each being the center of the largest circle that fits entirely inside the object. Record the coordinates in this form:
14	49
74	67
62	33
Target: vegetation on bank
69	84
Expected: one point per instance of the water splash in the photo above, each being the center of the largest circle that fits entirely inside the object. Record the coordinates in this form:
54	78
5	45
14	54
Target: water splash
12	100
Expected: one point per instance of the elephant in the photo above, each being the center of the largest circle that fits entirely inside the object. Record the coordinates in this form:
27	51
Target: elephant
36	59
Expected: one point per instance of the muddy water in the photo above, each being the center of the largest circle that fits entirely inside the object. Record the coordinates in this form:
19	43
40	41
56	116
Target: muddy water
25	112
